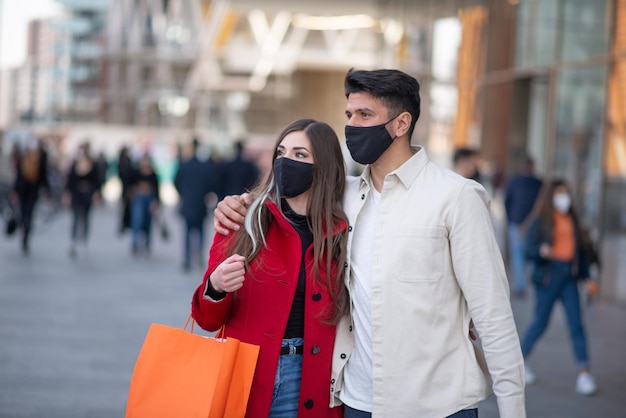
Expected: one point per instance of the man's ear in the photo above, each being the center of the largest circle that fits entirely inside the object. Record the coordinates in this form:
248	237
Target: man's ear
403	123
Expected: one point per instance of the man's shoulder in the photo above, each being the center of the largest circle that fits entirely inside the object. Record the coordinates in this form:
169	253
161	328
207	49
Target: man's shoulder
442	177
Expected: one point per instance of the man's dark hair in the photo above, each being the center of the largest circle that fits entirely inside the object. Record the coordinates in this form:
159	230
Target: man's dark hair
463	153
239	146
398	91
526	162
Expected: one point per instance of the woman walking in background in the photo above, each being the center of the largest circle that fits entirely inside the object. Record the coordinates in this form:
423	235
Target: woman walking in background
555	246
144	203
82	189
278	284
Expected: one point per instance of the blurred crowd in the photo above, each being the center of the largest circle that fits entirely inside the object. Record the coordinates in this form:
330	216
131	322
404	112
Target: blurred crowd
38	181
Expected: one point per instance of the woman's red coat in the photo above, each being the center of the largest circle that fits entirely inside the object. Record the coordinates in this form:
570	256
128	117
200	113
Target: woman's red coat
258	312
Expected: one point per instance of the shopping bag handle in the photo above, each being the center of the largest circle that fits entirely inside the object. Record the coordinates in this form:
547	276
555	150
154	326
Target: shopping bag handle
193	322
220	332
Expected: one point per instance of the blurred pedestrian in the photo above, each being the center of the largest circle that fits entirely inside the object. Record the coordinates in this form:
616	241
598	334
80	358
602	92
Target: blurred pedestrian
194	181
555	246
102	167
465	162
519	198
16	155
31	177
125	173
237	175
82	190
278	283
144	204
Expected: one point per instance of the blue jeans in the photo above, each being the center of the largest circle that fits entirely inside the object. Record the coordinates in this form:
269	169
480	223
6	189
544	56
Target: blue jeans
561	286
353	413
517	256
81	208
141	218
286	396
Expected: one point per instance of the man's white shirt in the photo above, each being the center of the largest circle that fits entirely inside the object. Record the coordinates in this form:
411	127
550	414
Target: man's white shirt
358	372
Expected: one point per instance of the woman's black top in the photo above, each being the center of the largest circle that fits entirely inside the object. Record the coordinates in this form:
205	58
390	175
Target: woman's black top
295	323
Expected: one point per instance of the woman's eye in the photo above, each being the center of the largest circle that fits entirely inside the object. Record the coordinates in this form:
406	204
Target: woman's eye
279	153
300	155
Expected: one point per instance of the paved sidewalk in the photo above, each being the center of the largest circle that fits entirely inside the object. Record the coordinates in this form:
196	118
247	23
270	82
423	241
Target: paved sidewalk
70	330
553	394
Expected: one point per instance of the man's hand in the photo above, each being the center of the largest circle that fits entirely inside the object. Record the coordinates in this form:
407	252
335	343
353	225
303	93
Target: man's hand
66	200
229	276
230	213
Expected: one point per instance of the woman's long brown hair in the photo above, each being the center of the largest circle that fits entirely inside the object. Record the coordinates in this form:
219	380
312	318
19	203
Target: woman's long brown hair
324	213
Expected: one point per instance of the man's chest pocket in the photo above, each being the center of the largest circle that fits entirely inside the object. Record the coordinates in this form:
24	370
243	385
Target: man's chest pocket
419	254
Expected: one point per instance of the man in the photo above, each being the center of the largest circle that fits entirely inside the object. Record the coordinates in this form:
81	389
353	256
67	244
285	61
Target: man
125	171
465	162
519	198
238	175
194	181
422	261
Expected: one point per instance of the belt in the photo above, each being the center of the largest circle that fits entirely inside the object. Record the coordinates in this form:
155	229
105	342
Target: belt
299	349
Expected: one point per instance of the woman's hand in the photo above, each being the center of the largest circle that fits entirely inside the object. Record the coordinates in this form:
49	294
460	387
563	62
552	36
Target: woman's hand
14	198
229	276
591	287
96	199
545	251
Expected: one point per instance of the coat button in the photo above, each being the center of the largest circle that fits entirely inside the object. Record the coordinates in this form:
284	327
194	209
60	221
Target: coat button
342	355
308	404
345	264
350	229
315	350
350	328
316	296
332	381
363	197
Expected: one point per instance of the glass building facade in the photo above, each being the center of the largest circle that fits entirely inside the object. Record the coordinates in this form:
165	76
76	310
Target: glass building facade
571	49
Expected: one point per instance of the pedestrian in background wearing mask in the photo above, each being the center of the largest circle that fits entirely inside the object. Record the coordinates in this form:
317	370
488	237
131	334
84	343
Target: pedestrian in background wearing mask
555	246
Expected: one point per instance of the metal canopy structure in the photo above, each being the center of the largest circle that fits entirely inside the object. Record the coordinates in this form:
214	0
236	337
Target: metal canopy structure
177	62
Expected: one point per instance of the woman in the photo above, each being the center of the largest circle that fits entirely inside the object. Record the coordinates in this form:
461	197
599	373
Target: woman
556	248
31	176
81	190
144	203
277	284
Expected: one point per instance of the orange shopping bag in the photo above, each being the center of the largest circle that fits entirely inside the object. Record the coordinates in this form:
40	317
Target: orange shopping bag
182	374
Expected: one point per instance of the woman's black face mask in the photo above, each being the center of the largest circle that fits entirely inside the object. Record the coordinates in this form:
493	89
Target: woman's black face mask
292	177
